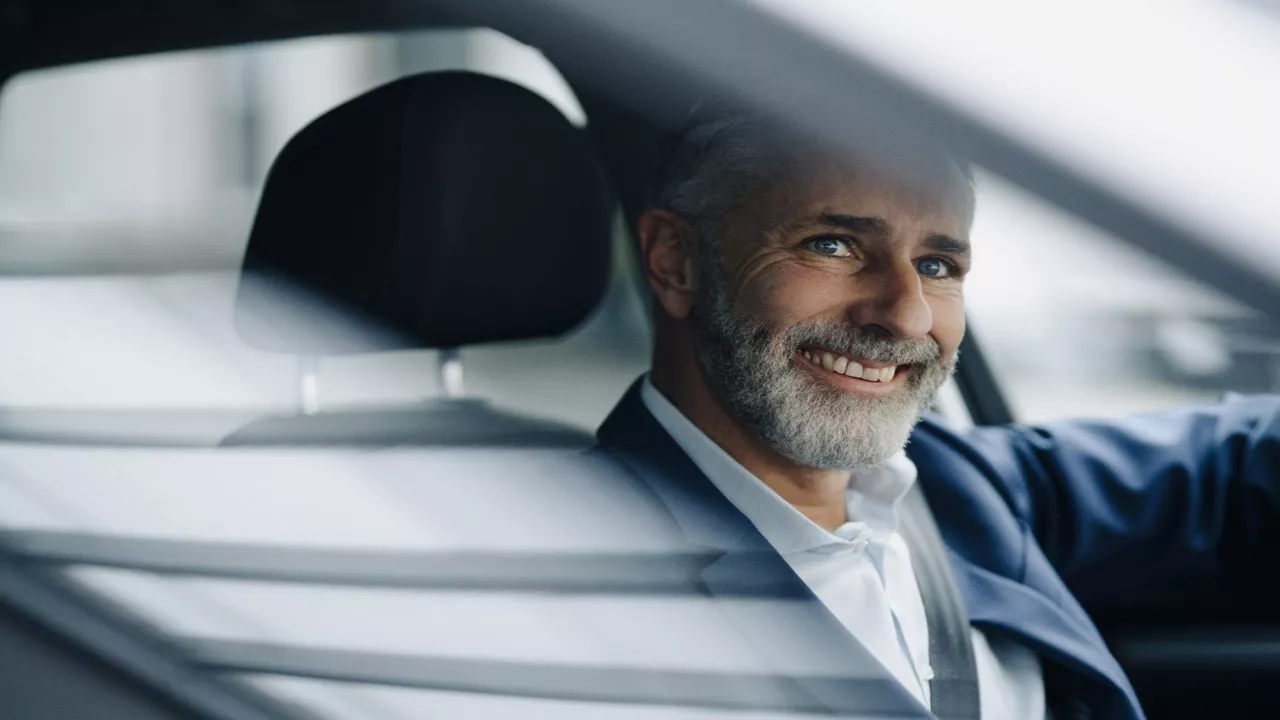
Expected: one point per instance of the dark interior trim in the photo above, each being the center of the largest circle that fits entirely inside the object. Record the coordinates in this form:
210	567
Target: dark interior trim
978	385
111	636
45	677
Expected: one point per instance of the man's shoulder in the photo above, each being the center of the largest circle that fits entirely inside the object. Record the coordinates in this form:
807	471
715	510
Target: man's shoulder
976	464
933	440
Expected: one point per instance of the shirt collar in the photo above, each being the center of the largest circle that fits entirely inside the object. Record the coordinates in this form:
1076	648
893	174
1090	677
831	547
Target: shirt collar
872	499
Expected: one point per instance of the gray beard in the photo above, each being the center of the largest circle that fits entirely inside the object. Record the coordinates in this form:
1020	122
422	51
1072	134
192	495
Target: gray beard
752	370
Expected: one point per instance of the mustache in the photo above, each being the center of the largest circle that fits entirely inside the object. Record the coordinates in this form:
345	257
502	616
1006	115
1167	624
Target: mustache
854	341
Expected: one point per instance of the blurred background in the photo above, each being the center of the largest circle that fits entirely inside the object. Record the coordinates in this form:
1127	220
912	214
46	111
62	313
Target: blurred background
128	187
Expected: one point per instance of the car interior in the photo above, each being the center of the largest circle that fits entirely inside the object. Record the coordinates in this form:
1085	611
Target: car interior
445	211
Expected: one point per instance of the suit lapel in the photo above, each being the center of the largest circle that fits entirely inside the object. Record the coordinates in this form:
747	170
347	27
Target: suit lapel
751	584
1017	609
1068	642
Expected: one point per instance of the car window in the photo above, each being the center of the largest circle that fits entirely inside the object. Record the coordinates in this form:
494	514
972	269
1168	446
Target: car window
1076	324
127	191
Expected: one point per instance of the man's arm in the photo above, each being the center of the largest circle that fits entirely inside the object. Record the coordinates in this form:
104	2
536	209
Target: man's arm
1151	501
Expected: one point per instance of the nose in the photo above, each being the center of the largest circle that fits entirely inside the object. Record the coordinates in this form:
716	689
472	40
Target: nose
892	303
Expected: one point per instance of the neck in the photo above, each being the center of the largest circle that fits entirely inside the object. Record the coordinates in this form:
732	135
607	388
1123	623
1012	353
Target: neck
818	494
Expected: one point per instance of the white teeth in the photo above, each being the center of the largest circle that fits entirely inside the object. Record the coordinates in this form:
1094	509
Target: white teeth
849	368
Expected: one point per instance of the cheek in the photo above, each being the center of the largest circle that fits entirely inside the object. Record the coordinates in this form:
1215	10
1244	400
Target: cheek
948	320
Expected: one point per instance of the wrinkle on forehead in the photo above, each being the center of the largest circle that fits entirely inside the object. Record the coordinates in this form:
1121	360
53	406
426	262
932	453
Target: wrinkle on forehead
942	191
847	187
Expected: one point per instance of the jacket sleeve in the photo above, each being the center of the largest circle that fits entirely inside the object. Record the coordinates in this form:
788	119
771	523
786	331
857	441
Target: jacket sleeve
1149	502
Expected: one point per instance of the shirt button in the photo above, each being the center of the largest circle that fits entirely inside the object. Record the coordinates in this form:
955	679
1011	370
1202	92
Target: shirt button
926	672
859	545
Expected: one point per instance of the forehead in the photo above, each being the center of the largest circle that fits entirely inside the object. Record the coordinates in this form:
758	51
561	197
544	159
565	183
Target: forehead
932	198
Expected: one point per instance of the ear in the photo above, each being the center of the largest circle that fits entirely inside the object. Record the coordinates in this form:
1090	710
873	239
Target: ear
666	248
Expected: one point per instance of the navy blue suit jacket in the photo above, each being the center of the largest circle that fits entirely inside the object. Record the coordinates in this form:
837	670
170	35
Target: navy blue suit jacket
1037	519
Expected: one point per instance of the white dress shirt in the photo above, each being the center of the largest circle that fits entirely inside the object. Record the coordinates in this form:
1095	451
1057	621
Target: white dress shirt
862	572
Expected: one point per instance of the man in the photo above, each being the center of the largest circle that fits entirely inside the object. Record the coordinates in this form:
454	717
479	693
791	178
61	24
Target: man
808	307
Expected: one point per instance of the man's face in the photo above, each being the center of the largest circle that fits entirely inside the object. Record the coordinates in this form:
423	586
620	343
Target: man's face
833	309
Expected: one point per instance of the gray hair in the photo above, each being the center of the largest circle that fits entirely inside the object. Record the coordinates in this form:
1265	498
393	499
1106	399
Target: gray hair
715	163
724	156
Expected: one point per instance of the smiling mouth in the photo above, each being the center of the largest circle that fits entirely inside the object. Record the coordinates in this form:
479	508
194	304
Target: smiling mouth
848	367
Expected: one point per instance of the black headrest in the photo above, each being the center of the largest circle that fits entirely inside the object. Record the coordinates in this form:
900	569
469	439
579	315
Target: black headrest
440	210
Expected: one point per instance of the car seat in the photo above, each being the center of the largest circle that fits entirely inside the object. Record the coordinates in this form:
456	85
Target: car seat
440	211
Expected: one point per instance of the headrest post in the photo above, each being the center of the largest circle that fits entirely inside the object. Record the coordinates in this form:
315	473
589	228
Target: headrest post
308	384
450	372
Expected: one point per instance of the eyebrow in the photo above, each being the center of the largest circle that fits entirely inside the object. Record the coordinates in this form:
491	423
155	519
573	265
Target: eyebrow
874	225
856	223
947	244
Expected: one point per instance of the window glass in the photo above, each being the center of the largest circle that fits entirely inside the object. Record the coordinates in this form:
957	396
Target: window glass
127	192
1075	323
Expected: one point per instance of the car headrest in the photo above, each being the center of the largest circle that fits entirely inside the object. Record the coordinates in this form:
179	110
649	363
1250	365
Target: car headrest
437	211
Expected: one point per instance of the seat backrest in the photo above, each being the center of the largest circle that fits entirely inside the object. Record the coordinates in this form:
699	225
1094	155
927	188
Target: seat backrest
439	211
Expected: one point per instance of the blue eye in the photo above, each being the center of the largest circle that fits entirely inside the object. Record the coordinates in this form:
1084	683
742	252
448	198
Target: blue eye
831	246
934	268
